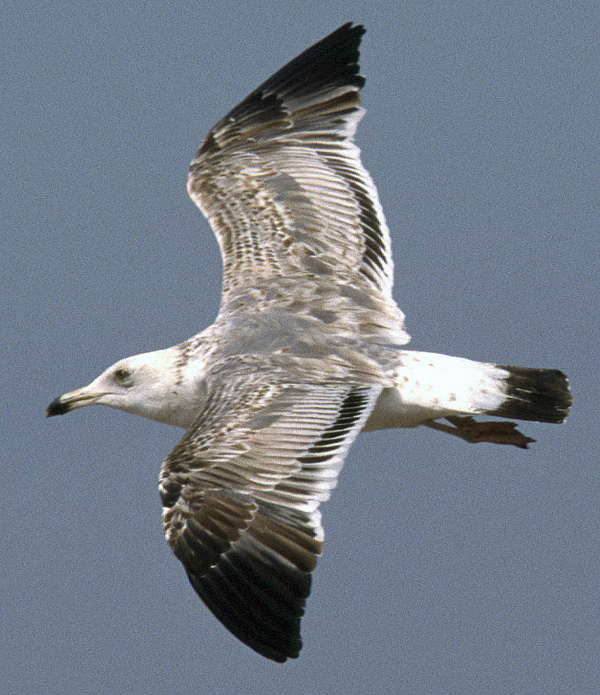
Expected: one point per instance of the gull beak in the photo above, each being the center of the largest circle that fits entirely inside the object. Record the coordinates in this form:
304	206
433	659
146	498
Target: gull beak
74	399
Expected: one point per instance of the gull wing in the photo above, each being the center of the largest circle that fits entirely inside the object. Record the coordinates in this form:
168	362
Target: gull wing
297	216
240	497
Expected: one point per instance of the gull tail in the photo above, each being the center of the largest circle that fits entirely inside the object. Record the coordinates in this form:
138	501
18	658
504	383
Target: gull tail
431	387
542	395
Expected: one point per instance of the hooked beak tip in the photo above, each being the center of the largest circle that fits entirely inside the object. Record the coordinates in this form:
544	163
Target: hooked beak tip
57	407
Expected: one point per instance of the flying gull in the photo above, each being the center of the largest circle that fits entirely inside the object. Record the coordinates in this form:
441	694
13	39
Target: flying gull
305	353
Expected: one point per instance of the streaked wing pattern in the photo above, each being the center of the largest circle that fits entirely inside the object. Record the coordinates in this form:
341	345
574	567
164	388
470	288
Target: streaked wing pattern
281	183
240	501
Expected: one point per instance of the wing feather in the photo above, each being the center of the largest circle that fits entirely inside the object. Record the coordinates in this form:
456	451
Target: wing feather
282	185
240	499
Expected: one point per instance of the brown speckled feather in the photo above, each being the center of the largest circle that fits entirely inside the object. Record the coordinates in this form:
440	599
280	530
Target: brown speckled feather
241	493
296	214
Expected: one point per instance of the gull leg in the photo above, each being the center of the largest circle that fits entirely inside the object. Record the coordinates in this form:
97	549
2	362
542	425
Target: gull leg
472	431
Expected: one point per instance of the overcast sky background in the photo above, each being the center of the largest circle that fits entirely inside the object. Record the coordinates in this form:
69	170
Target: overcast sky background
448	568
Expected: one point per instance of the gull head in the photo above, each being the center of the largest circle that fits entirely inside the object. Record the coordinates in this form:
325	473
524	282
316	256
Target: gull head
154	385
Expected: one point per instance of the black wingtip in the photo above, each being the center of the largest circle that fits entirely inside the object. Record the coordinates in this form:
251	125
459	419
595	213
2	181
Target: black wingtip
333	58
332	61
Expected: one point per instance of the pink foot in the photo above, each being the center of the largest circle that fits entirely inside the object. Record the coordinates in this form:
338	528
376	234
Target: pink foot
472	431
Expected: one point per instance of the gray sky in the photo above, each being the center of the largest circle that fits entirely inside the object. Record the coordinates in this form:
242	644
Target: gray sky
449	568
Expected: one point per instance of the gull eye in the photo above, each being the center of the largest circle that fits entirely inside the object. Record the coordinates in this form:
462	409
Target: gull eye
123	375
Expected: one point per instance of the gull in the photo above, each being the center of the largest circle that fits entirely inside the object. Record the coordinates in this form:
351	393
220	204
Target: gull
305	353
